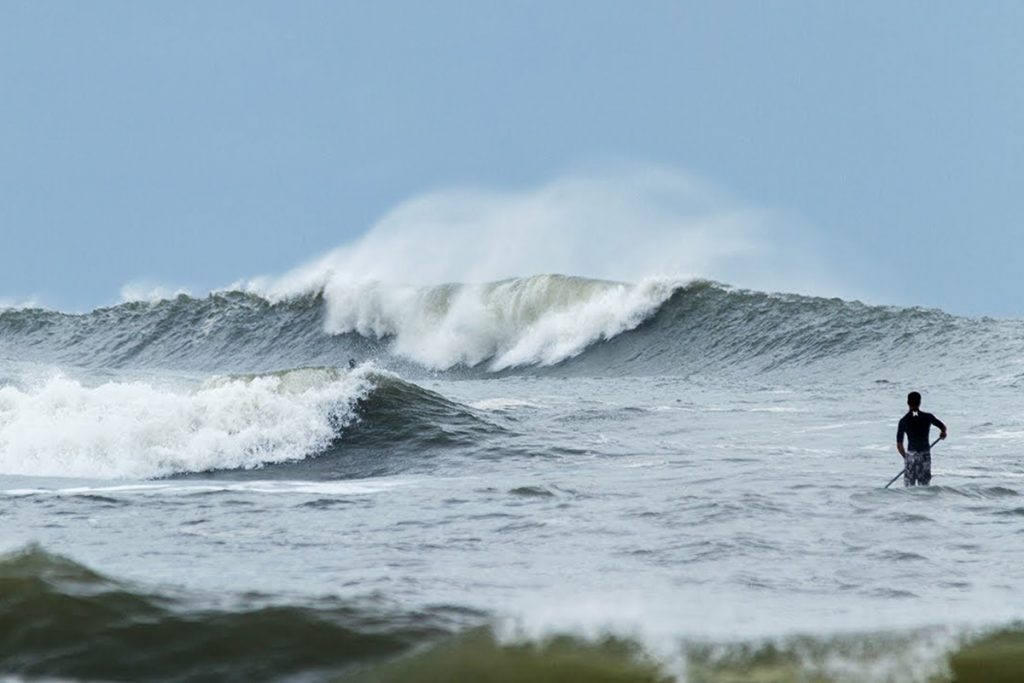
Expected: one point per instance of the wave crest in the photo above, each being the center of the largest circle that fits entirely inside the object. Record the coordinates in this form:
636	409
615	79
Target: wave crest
575	324
540	320
137	430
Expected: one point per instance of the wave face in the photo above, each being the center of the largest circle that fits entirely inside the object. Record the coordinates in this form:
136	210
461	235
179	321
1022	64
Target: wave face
59	618
704	327
540	320
521	325
62	427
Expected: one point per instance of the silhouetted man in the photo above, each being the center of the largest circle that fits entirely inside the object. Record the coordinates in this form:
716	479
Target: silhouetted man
917	457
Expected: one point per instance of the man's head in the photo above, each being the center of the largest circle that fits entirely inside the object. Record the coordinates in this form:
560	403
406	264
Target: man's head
914	400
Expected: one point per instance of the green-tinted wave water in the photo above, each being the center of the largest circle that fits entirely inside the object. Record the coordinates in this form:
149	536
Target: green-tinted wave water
60	619
548	479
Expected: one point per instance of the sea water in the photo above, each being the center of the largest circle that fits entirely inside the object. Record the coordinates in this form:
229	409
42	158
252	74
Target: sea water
549	478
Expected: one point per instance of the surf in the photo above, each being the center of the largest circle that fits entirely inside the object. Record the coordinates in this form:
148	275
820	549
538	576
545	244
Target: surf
535	324
60	618
308	423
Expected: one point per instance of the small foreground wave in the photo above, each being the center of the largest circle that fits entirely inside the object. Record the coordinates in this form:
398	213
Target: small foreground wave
61	619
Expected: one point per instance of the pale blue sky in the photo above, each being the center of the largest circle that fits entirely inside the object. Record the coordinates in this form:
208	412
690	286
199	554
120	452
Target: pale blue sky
196	143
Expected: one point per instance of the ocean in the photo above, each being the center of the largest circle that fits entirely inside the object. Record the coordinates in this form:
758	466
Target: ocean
549	478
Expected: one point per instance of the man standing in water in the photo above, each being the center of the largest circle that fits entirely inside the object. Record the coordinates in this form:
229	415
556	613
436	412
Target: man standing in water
917	457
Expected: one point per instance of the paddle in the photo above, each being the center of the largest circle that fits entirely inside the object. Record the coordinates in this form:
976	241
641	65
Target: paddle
905	469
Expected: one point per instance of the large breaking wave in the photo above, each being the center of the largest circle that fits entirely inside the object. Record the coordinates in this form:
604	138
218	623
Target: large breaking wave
528	324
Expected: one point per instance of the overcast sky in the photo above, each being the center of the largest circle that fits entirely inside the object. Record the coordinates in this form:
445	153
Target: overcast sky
196	144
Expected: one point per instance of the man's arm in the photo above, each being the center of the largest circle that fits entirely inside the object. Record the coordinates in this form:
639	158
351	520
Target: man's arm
899	440
942	427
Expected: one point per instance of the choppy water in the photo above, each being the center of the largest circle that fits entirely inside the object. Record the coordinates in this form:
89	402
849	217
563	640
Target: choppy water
550	477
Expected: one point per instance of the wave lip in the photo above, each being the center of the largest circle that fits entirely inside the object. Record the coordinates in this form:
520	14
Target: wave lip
530	321
527	324
136	430
539	320
310	423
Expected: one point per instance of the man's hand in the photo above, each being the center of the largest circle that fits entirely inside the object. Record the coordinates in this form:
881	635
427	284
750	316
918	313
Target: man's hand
942	435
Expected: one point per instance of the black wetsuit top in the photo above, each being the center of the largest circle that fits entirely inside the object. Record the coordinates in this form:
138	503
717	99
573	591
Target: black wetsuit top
915	425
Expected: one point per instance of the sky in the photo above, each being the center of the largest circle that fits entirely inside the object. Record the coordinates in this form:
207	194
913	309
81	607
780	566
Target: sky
872	150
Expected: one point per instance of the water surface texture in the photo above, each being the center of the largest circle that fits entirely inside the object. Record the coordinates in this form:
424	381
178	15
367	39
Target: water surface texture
548	478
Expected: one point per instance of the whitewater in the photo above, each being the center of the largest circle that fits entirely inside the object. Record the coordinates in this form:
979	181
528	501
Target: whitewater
329	478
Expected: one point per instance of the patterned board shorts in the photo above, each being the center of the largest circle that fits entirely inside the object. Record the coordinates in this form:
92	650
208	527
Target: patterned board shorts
919	468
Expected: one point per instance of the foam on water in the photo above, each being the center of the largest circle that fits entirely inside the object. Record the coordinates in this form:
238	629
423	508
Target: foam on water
65	428
185	488
502	404
593	327
539	320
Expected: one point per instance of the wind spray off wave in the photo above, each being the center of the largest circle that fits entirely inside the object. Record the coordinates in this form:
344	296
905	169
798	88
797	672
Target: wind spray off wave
624	226
651	226
453	279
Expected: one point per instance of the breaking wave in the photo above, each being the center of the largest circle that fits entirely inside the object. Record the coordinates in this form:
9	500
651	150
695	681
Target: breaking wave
520	325
540	320
134	429
62	427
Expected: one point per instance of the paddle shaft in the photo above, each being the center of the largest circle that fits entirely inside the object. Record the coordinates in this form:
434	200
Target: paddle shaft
905	469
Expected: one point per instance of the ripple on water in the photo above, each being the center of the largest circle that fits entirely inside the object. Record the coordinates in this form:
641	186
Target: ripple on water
911	518
971	491
900	556
887	593
532	492
326	503
103	500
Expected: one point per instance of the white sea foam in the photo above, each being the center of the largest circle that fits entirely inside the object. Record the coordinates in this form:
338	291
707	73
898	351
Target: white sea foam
138	430
190	487
651	226
502	404
150	293
10	305
539	320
